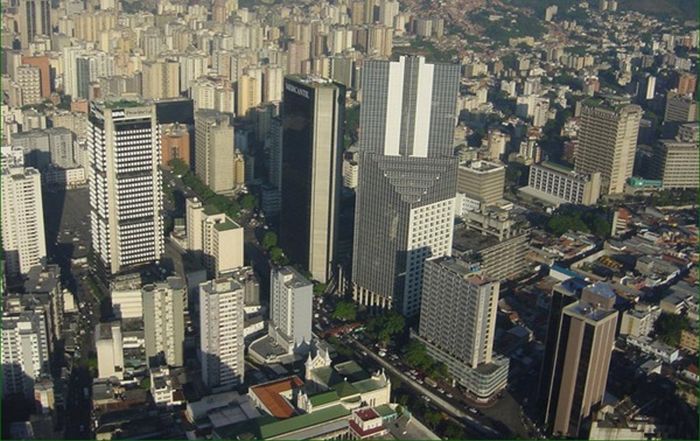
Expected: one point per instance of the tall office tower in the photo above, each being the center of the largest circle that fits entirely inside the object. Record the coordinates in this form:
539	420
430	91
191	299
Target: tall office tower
175	143
29	80
164	321
481	181
313	114
213	150
607	142
126	194
23	239
291	298
563	294
458	324
110	350
680	108
221	333
161	79
585	340
25	351
675	161
406	192
34	19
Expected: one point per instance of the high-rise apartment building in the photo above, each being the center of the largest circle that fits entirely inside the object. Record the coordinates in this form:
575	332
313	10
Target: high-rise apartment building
608	142
680	108
249	93
29	80
676	160
23	239
221	333
161	79
584	344
406	191
126	194
25	351
687	83
175	143
34	19
110	350
291	298
164	321
458	324
213	150
312	136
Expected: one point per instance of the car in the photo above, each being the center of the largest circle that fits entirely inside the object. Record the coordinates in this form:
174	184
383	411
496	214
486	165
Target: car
382	353
450	396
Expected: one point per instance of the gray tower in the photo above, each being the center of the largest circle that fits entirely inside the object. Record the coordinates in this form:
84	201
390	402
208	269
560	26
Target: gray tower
406	190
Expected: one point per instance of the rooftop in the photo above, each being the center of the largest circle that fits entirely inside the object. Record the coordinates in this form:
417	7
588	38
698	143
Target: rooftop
269	395
303	421
228	224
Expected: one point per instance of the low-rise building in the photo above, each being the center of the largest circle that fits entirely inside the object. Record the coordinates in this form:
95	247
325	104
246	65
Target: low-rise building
555	185
664	352
640	320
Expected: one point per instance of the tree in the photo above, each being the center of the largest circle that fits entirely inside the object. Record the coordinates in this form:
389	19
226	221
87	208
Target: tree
248	202
277	256
320	288
269	240
345	311
417	356
433	418
453	431
669	327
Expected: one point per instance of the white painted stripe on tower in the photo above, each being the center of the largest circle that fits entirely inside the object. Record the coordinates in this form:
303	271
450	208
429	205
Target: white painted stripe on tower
394	102
424	94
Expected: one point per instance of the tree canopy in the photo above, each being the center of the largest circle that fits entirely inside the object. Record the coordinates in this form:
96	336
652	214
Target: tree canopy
345	311
669	327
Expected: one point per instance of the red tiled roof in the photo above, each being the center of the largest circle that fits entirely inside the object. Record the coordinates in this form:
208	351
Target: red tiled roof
269	395
367	414
364	433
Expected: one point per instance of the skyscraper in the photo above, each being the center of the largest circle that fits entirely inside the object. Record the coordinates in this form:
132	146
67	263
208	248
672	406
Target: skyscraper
584	342
126	192
312	136
221	333
213	150
458	324
406	191
608	142
291	297
25	351
164	321
34	19
23	237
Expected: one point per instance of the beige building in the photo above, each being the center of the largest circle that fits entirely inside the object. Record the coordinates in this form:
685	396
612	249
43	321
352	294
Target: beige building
585	340
213	150
23	236
607	142
639	321
215	237
676	160
556	184
29	80
680	108
248	94
161	79
482	181
164	321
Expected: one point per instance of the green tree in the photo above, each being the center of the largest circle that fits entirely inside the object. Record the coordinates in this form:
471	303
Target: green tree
392	324
345	311
320	288
453	431
417	356
249	202
277	256
433	418
668	328
269	240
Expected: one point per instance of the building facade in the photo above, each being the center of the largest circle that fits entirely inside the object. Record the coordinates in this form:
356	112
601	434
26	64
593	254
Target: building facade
608	142
221	333
164	321
23	237
291	308
406	190
126	190
557	184
676	160
213	150
458	324
312	116
482	181
25	351
110	350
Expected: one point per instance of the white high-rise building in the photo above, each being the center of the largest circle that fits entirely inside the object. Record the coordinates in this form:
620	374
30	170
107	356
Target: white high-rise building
291	298
110	350
221	333
22	219
164	321
25	351
126	196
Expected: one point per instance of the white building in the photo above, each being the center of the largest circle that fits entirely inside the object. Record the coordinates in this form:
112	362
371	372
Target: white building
164	321
25	351
110	350
23	237
557	185
221	333
291	299
126	195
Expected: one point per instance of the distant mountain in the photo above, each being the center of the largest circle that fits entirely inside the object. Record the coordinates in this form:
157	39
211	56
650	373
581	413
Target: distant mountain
688	9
